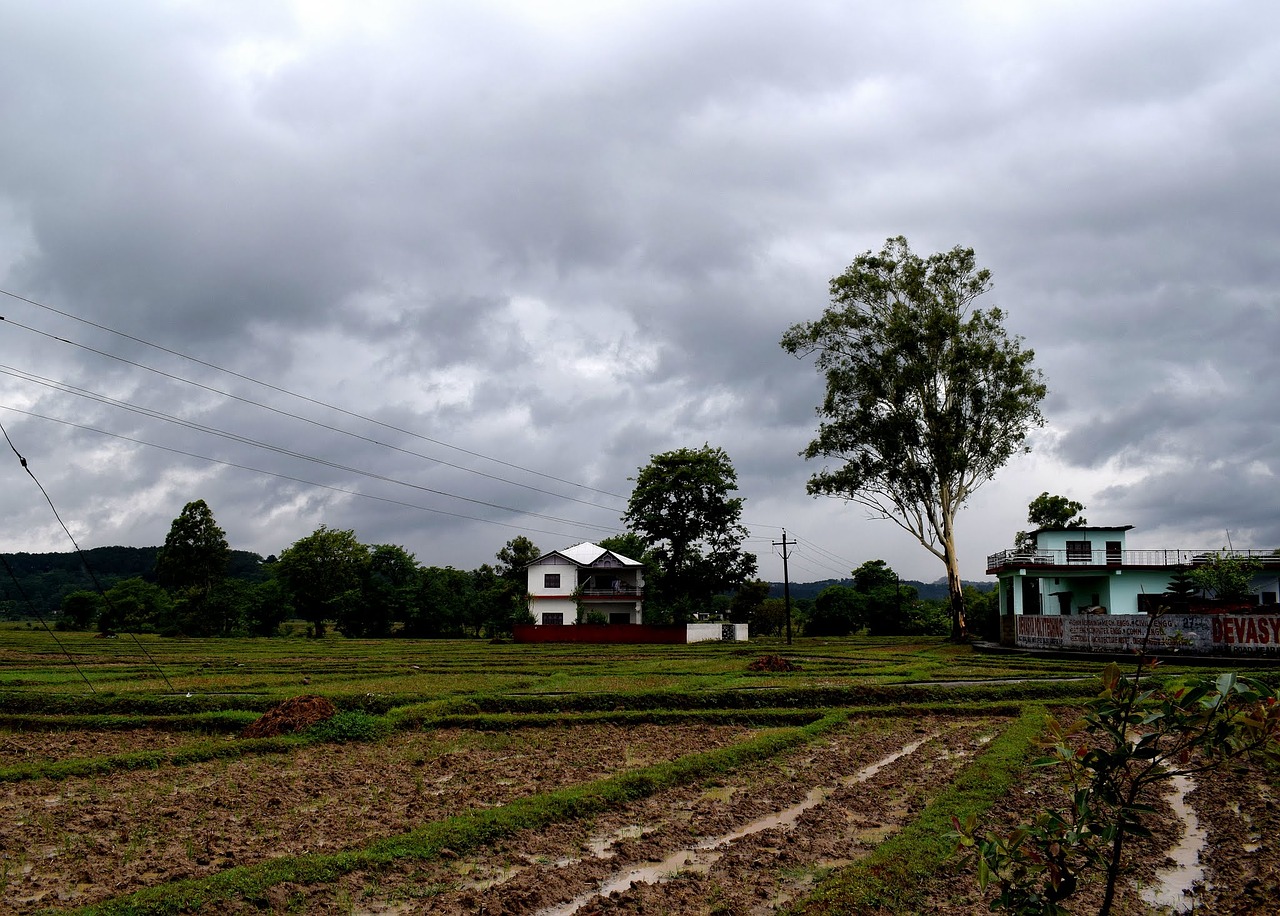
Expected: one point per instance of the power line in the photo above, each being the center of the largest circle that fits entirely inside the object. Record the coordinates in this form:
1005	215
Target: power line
281	390
97	585
257	443
304	482
22	592
847	563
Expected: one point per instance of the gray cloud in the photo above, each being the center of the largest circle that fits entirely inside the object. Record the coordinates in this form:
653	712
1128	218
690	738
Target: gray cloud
570	237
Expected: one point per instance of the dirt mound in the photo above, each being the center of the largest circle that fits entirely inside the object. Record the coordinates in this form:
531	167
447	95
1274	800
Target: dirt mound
291	716
772	663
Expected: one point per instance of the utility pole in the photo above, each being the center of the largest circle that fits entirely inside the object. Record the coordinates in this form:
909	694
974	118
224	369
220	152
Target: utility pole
786	579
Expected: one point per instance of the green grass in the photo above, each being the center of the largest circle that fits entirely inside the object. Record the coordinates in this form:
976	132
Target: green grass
268	670
894	876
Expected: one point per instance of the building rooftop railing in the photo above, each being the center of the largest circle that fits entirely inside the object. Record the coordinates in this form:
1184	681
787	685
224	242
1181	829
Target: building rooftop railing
620	591
1170	557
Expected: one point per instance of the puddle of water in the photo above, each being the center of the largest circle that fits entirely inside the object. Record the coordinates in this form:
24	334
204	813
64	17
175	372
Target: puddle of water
501	876
702	855
1168	891
724	793
601	846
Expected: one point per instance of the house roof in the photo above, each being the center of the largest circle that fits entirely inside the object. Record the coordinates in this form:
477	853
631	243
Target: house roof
1084	528
586	554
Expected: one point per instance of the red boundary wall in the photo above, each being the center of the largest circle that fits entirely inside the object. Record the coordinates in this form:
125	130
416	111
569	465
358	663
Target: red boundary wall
601	633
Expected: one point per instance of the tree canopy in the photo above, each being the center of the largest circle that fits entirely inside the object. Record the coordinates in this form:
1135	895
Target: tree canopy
683	508
514	556
926	396
195	552
319	571
1047	511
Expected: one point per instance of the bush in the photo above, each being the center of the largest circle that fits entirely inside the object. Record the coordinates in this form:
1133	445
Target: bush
353	725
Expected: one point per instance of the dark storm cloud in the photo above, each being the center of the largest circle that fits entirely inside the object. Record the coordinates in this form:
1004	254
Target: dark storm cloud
570	237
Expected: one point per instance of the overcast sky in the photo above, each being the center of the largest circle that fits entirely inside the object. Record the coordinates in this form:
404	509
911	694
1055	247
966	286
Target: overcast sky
508	251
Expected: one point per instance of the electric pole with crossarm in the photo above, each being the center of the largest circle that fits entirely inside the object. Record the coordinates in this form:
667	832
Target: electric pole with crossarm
786	579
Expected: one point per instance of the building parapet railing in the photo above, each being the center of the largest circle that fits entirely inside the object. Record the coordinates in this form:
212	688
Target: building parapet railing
618	591
1159	557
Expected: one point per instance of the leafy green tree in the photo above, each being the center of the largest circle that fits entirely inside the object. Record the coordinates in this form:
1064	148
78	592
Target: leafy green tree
79	610
441	604
926	396
387	589
190	565
1182	589
491	606
1047	511
770	618
983	610
889	607
1227	576
134	606
683	508
747	600
837	611
195	552
319	570
514	557
511	598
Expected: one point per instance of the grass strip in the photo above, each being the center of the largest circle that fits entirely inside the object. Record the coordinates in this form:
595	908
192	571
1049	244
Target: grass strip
426	718
151	760
797	696
221	722
461	833
779	716
800	696
894	876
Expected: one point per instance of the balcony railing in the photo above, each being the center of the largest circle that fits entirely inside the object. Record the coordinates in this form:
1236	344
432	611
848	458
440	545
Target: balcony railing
1157	558
623	590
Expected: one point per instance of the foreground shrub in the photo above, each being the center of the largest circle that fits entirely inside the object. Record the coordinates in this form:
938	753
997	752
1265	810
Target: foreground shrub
1129	740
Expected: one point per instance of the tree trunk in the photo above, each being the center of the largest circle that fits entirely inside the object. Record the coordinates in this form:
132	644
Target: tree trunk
955	589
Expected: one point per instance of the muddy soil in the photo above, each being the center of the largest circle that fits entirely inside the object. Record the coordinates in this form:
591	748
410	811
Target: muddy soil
1234	868
48	746
76	841
746	843
736	845
1242	812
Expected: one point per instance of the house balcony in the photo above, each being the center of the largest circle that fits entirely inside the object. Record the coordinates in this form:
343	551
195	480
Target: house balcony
620	592
1104	559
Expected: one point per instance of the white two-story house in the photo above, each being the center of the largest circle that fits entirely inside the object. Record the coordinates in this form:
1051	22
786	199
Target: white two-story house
589	576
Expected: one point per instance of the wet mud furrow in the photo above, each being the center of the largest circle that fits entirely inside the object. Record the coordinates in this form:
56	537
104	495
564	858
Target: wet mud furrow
75	841
748	843
1242	819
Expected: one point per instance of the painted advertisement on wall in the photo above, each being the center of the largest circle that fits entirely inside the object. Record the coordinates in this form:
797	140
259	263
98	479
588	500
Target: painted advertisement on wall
1126	632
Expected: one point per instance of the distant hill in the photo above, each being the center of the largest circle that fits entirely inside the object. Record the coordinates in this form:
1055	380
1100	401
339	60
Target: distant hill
930	591
42	580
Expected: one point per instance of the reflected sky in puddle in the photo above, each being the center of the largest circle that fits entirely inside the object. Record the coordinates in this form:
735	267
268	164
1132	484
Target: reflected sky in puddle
702	855
1186	871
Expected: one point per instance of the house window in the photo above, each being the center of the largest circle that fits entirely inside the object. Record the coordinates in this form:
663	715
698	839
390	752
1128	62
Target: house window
1079	551
551	580
1267	597
553	620
1113	553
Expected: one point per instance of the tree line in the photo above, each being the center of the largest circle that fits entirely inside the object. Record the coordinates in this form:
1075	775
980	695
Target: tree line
327	579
